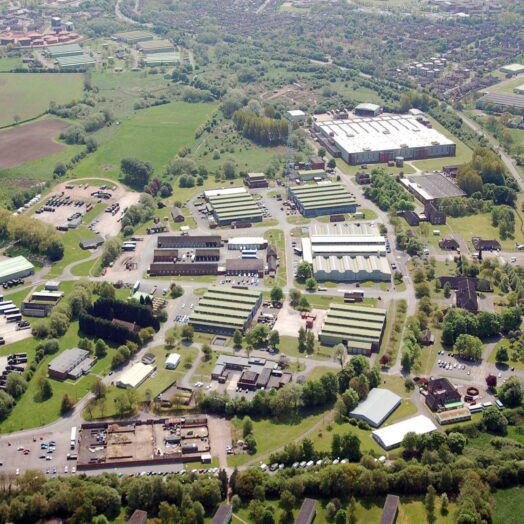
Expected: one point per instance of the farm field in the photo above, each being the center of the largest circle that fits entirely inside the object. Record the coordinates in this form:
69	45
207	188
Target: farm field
30	142
154	135
28	95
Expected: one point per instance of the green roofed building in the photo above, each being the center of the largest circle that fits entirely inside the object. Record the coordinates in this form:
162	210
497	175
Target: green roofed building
16	267
57	51
158	59
134	37
156	46
359	328
75	62
323	198
223	310
232	205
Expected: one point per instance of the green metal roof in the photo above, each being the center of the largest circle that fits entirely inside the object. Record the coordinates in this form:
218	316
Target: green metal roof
215	319
358	309
211	302
235	291
14	265
231	311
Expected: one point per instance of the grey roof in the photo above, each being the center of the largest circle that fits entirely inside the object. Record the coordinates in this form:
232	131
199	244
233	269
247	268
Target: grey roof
68	360
377	406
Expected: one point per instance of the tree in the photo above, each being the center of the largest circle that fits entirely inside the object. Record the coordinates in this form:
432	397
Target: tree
274	339
100	348
494	421
276	295
340	516
511	392
208	352
259	334
310	342
247	427
294	297
311	284
429	501
332	164
340	353
510	319
468	346
361	385
456	442
491	381
303	304
304	271
67	405
288	400
250	444
352	515
287	501
444	504
301	340
350	447
60	169
188	333
406	361
447	290
350	399
98	389
45	390
384	360
15	385
502	355
237	339
136	172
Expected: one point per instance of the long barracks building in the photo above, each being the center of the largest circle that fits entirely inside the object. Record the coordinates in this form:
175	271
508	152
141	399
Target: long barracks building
322	198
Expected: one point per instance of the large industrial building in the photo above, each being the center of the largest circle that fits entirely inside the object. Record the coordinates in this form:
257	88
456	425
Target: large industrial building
134	37
381	138
359	328
156	46
16	267
230	205
502	100
322	198
346	253
71	363
431	187
391	436
135	375
224	310
377	407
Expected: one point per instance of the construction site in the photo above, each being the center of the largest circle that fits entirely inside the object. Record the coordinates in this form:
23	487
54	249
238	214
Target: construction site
143	442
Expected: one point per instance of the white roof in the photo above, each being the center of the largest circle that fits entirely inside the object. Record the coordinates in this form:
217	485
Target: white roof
172	360
224	191
135	375
377	406
247	240
385	132
367	106
514	68
392	436
296	112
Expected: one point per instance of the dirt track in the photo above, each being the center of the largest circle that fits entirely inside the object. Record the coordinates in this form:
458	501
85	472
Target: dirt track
30	142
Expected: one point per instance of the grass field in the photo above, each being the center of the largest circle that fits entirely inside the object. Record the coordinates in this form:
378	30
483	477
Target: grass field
506	86
493	355
28	95
7	63
508	506
154	135
271	435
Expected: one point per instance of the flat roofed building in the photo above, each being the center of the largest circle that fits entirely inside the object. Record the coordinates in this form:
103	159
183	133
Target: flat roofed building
384	137
133	37
308	512
452	416
156	46
359	328
135	375
256	180
16	267
57	51
231	207
325	198
311	174
377	407
346	253
223	515
224	310
91	243
242	243
513	69
240	266
172	361
157	59
502	100
367	109
296	115
75	62
68	364
188	241
431	187
390	511
391	436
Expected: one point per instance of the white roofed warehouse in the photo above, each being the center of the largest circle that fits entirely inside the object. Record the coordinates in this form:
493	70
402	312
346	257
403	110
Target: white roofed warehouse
16	267
135	375
349	253
381	138
377	407
391	436
359	328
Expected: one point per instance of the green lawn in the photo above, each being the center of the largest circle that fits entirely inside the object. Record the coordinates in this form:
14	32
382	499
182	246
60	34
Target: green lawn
508	506
289	346
154	135
506	86
480	225
7	63
512	361
270	435
276	238
27	95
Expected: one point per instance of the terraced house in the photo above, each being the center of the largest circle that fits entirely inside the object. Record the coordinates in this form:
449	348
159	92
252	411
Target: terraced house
223	310
359	328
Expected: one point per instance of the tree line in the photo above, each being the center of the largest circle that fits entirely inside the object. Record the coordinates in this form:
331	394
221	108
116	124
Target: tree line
261	129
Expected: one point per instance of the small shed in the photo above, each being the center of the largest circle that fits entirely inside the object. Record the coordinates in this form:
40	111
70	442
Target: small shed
177	214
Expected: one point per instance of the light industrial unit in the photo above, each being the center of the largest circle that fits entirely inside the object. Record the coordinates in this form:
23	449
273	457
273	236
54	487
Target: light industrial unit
431	186
64	50
158	59
384	137
377	407
359	328
230	206
16	267
156	46
391	436
71	363
135	375
224	310
134	37
345	254
323	198
75	62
